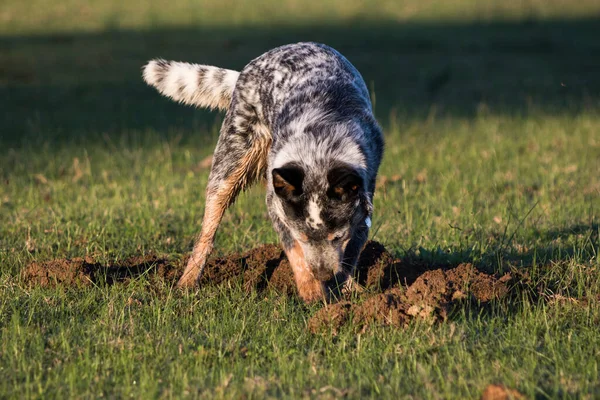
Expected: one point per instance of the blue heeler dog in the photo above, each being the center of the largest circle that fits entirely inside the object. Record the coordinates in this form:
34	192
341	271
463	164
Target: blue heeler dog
299	116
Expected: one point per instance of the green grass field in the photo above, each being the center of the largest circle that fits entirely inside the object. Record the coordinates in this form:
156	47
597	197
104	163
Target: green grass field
492	123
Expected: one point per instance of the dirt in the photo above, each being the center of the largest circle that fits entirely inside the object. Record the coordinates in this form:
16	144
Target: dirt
500	392
395	292
430	298
263	267
86	271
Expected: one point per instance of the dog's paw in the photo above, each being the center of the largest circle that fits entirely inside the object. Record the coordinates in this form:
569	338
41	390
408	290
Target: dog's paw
351	286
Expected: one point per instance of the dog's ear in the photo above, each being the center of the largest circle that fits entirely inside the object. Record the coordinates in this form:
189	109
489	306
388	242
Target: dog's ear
287	181
345	183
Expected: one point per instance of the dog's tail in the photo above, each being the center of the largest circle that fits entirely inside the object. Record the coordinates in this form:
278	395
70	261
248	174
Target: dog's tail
192	84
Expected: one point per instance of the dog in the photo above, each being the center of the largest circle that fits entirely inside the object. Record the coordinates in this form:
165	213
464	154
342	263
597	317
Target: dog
299	116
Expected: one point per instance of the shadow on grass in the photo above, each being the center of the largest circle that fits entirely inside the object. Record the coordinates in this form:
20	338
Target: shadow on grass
87	86
589	231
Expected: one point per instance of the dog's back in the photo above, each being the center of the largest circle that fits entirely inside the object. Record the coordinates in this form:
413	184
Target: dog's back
300	90
295	79
294	82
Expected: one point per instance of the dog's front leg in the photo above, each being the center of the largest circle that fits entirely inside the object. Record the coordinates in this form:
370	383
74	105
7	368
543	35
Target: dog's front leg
310	289
217	201
231	172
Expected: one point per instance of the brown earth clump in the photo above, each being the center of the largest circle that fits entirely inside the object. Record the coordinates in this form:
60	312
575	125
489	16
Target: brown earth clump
395	292
263	267
499	392
332	317
85	271
62	271
430	297
254	267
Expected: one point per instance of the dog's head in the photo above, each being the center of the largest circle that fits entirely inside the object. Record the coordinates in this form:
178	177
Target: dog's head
322	204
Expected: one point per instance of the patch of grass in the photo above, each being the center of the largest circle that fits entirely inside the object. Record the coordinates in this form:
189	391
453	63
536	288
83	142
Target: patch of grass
493	157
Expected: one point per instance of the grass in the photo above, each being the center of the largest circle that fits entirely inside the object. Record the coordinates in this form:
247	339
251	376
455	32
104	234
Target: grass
493	157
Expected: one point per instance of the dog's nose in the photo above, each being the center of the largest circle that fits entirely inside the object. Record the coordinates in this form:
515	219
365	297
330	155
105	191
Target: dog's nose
322	272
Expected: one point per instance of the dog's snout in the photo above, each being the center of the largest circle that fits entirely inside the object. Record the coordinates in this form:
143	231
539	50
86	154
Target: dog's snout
322	271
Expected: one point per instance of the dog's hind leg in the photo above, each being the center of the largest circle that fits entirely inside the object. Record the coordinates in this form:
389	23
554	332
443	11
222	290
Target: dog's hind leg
240	158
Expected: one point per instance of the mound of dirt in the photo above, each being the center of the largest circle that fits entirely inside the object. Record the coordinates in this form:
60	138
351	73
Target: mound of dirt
263	267
430	297
377	268
395	291
500	392
85	271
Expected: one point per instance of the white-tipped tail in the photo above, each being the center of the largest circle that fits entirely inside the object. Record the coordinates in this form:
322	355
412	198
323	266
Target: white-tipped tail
193	84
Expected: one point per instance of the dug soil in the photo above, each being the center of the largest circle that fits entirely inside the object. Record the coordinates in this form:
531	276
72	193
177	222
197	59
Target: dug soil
392	292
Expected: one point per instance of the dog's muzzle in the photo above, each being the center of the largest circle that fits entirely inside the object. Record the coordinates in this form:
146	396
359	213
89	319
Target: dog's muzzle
323	272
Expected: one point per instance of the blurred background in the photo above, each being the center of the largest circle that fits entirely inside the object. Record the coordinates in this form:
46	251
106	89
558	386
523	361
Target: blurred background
73	67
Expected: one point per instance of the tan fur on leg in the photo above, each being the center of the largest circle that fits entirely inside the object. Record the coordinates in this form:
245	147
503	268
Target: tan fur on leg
213	213
309	288
220	196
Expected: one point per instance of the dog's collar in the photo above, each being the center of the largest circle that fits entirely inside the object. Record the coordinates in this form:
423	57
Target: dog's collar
368	222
